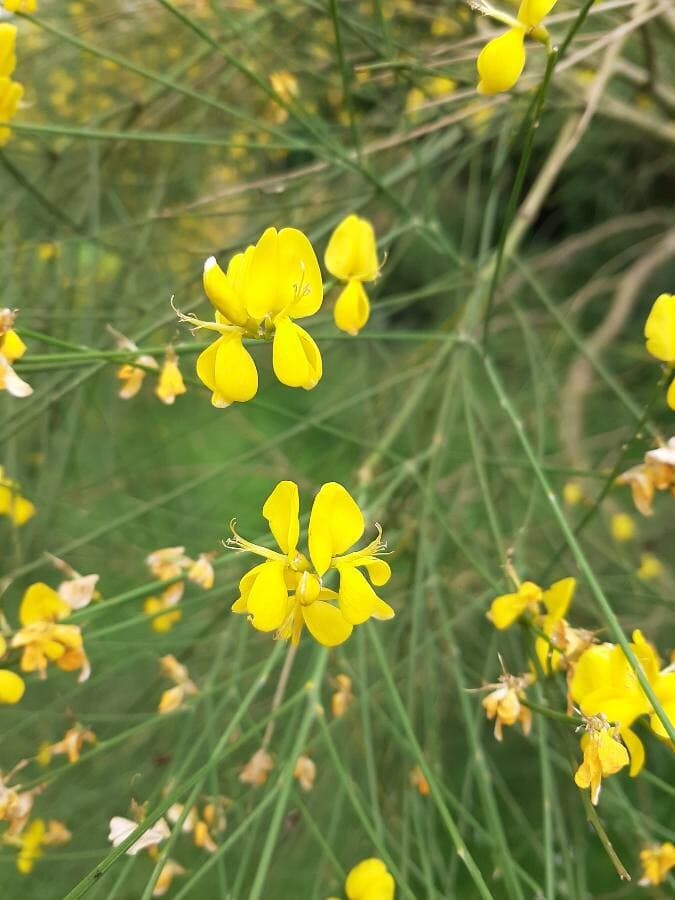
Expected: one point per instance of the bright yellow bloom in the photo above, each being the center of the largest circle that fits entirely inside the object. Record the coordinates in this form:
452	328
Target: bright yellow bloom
573	495
22	6
11	92
263	291
370	880
351	256
7	49
170	384
11	346
604	755
660	329
12	503
622	528
501	62
31	846
604	683
656	862
504	705
12	687
651	567
507	608
335	524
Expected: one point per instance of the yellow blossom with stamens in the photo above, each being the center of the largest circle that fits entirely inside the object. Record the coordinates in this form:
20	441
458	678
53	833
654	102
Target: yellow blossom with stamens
604	682
263	292
370	880
170	384
283	594
12	347
604	755
13	503
656	862
351	256
503	703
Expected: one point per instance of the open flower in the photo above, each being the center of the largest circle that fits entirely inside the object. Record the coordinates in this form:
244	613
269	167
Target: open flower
43	639
370	880
351	256
604	755
660	336
13	503
604	682
501	62
656	862
263	292
286	592
11	345
33	839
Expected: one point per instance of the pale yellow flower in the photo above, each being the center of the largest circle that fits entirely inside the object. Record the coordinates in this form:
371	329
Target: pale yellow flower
305	772
257	769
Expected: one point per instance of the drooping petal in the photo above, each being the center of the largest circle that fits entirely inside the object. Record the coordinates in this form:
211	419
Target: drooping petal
227	369
501	62
11	382
636	751
221	292
352	308
268	599
660	329
351	251
281	510
326	623
356	597
379	571
335	524
295	356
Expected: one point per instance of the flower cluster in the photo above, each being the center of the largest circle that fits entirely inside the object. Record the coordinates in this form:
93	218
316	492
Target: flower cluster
11	91
12	347
170	382
171	564
287	591
502	60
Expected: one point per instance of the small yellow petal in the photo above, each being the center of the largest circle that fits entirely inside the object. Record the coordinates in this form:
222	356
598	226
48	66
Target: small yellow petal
501	62
281	509
370	880
227	369
660	329
356	597
335	524
221	292
268	599
12	687
558	597
40	603
531	12
295	356
326	623
636	751
351	251
352	308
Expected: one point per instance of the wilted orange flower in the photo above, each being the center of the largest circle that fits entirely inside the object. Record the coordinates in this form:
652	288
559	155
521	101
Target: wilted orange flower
503	703
343	698
604	755
305	772
656	862
656	473
257	769
174	697
70	745
419	781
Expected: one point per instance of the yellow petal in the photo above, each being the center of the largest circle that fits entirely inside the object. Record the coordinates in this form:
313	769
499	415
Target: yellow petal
7	45
636	751
660	329
227	369
558	597
352	309
15	506
11	346
351	251
12	687
281	510
356	597
295	356
611	753
326	623
501	62
283	275
657	725
170	384
220	291
670	395
370	880
531	12
268	598
335	524
40	603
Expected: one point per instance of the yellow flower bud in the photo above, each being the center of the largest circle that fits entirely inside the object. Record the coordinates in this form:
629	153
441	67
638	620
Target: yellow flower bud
501	62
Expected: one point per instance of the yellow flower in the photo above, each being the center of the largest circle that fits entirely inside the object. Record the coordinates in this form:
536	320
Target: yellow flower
573	495
165	622
604	683
11	92
257	769
263	291
335	524
12	687
11	345
170	384
12	503
21	6
604	755
31	846
567	641
351	256
507	608
622	528
501	62
660	329
170	870
70	745
656	862
651	567
370	880
343	697
503	703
